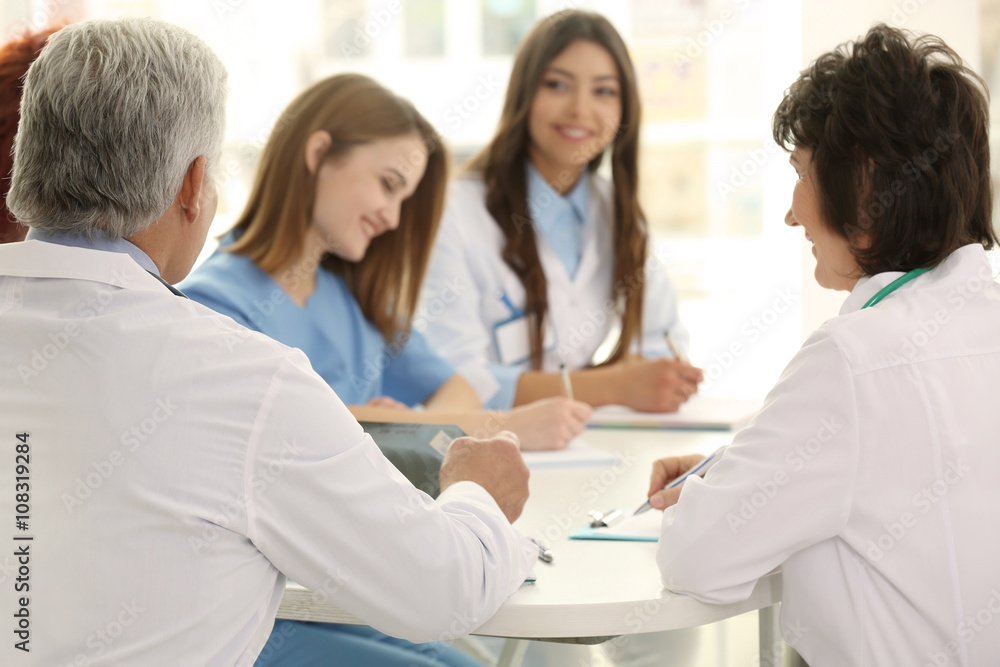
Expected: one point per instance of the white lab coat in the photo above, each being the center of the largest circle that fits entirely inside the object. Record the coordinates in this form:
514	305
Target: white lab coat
462	298
872	476
180	464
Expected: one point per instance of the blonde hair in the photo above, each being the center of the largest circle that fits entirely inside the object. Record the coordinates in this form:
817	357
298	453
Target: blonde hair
354	110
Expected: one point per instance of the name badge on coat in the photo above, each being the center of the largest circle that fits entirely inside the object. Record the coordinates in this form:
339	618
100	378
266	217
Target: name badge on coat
512	340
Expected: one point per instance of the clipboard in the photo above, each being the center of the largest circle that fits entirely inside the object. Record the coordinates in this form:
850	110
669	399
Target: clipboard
642	528
416	450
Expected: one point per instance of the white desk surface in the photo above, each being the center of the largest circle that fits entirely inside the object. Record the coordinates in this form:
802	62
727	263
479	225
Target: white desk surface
593	589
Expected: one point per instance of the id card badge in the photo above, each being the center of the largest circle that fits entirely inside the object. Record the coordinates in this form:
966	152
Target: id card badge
511	340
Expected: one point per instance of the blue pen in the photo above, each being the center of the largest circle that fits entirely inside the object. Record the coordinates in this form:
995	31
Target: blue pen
699	469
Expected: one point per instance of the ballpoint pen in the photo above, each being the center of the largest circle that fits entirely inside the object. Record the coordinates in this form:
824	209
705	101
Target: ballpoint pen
698	469
544	553
567	386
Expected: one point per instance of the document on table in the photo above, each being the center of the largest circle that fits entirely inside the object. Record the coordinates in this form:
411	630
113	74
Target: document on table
578	453
699	413
642	528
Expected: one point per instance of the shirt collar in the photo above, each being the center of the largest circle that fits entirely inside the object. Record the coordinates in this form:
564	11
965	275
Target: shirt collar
100	241
546	204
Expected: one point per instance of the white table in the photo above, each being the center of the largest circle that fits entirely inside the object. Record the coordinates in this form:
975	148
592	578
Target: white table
594	590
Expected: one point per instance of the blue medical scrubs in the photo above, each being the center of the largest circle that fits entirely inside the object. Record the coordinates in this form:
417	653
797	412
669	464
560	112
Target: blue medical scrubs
343	347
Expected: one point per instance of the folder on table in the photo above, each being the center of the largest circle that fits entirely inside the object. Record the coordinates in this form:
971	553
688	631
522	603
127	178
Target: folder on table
699	413
642	528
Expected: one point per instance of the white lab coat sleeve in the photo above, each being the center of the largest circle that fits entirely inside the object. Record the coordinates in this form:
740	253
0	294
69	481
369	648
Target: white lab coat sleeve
660	310
449	314
330	512
784	484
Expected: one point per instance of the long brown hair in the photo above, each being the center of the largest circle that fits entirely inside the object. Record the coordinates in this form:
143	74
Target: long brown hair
354	110
502	165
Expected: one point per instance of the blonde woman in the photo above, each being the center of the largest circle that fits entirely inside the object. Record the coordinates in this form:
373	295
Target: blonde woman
329	254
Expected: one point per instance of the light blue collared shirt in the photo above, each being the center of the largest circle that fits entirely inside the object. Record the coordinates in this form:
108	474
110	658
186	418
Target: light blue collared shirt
560	219
100	241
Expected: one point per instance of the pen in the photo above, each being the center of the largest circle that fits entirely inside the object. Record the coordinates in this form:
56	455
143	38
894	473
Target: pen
544	553
674	350
699	469
567	387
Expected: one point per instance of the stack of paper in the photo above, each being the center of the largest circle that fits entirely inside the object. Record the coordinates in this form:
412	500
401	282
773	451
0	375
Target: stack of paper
578	453
715	414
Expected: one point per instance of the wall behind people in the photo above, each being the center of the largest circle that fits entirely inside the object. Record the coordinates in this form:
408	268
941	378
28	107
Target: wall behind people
714	186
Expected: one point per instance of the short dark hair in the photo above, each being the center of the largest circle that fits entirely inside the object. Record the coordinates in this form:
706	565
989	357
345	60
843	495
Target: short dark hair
899	130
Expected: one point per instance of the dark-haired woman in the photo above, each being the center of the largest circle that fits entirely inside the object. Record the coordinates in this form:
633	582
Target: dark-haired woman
872	474
539	258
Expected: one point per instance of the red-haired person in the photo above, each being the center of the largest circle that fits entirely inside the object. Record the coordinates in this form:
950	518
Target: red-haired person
15	58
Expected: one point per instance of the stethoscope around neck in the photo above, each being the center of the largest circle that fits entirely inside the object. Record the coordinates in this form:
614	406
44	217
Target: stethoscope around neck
893	286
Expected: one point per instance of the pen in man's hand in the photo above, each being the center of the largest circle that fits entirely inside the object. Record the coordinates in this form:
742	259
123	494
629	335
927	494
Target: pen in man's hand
699	469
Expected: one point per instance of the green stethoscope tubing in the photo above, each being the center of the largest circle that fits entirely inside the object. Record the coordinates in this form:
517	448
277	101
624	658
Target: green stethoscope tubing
893	286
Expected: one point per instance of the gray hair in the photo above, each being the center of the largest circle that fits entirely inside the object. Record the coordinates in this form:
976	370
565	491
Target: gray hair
113	114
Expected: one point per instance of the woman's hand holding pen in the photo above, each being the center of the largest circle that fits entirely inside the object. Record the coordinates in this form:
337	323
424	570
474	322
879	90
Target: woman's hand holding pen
656	385
665	470
549	423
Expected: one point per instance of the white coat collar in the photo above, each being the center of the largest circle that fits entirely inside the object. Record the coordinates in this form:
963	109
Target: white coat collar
39	259
867	287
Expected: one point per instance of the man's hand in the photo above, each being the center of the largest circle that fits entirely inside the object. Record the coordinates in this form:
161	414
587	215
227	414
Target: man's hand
664	471
549	423
494	464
